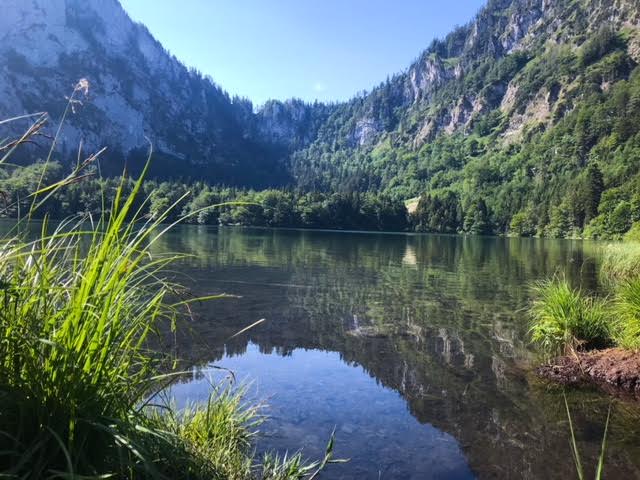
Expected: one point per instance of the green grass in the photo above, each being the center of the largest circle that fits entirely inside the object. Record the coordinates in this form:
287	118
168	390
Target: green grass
212	440
564	319
620	262
576	451
627	312
78	306
633	235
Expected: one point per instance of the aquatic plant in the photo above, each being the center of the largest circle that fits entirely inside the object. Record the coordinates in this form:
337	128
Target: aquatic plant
564	319
576	451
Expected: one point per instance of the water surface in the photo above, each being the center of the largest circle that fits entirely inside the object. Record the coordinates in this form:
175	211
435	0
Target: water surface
412	347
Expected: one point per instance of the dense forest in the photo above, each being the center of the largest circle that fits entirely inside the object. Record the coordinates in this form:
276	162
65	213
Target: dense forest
571	171
202	204
526	121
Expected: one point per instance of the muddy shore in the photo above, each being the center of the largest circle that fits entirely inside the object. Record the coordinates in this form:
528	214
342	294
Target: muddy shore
614	370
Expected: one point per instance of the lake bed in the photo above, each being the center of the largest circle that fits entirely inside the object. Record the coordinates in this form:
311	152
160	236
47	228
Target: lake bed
414	348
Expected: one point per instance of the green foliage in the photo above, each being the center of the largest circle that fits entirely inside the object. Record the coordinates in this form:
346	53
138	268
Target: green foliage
523	224
213	439
633	235
77	308
592	193
193	204
79	304
598	45
627	332
620	219
564	319
561	223
477	221
438	214
620	262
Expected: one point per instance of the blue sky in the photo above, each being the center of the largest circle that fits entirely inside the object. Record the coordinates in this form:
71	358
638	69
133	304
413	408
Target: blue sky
310	49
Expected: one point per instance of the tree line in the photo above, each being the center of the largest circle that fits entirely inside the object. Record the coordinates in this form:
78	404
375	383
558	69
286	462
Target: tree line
200	203
589	210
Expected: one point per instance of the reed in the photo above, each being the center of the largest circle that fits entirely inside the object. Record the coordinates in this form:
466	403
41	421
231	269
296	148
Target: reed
78	305
577	460
620	262
627	314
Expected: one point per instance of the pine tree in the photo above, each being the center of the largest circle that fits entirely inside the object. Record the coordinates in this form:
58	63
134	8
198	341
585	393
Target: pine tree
594	189
477	220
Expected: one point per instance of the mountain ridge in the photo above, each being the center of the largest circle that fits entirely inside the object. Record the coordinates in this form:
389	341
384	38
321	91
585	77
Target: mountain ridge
466	124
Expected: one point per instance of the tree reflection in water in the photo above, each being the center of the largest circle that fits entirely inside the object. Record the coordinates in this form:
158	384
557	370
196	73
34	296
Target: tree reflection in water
438	319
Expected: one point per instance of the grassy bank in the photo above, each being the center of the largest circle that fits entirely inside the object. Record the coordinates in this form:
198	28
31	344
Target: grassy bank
591	339
567	320
78	306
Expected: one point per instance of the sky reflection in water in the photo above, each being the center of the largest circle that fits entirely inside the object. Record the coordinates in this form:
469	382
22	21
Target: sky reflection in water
413	347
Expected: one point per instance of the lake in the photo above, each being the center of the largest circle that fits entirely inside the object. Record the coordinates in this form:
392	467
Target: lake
413	348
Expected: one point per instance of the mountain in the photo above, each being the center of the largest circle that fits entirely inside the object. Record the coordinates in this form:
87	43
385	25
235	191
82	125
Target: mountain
136	90
524	120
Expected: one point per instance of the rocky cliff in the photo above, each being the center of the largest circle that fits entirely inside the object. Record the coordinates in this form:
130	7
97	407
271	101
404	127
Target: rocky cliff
137	90
500	70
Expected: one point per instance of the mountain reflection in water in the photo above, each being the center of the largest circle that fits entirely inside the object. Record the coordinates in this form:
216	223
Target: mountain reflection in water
414	347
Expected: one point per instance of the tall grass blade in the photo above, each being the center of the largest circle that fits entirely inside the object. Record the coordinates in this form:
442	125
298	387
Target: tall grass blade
603	448
574	445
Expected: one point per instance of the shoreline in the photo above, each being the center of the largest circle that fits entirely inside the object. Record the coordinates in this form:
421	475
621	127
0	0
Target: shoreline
613	370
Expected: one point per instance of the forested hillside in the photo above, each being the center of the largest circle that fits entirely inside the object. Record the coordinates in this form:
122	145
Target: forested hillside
525	121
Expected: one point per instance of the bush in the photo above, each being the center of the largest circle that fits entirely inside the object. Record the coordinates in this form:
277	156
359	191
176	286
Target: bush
564	319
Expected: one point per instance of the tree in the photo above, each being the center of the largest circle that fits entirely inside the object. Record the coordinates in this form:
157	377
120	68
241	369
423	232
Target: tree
441	214
523	224
477	219
593	191
560	224
620	219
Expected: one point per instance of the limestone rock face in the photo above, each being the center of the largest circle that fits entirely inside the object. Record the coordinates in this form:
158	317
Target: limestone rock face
426	76
136	89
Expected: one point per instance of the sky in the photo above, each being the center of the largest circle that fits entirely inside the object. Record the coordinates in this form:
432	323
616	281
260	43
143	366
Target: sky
326	50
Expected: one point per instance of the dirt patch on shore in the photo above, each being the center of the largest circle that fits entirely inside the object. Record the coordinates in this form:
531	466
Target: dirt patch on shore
615	370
